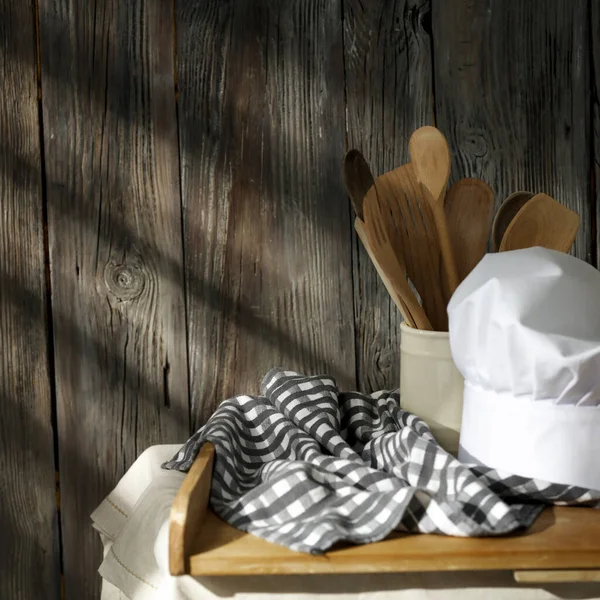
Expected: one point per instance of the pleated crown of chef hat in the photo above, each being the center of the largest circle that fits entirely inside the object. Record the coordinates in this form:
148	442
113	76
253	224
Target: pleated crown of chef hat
525	334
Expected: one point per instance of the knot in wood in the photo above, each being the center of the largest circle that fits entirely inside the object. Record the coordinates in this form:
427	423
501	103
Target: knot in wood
125	281
476	143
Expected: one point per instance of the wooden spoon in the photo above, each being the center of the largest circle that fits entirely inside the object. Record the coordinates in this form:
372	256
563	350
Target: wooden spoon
469	208
508	209
377	227
358	179
542	221
430	156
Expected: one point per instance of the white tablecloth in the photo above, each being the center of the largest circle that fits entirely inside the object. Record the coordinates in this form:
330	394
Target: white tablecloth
133	526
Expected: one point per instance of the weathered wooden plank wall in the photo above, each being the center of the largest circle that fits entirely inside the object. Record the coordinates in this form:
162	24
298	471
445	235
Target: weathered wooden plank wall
594	94
114	222
512	95
192	163
267	224
387	51
29	550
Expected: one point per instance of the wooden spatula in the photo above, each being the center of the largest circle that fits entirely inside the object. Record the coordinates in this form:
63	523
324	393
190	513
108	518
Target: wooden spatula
542	221
416	240
506	213
430	156
359	226
359	182
377	226
469	208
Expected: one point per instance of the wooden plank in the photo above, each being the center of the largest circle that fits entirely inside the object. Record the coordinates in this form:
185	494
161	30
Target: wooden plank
188	511
388	89
560	538
29	551
267	225
559	576
110	135
595	96
513	97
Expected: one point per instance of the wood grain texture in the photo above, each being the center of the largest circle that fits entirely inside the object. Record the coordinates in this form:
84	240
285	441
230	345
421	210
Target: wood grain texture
267	223
115	242
388	70
29	552
512	97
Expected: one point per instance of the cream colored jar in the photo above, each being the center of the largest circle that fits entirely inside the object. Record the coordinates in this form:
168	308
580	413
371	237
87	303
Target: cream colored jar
431	386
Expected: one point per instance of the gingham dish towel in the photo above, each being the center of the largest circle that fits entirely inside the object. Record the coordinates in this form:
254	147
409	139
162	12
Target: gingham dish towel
306	466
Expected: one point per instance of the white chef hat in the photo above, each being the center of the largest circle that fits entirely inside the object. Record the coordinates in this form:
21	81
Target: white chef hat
525	334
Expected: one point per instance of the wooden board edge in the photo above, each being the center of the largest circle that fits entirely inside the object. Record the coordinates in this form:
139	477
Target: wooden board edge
207	566
557	576
225	553
189	510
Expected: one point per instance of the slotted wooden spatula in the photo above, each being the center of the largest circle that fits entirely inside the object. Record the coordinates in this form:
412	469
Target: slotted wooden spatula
377	225
416	241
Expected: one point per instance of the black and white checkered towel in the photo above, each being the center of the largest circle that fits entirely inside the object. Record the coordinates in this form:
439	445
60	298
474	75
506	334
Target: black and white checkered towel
306	466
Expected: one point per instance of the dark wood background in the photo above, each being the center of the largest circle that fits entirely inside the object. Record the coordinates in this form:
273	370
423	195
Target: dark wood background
173	221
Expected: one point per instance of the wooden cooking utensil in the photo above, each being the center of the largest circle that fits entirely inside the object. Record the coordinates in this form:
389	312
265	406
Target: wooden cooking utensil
430	156
359	182
358	179
542	221
506	213
469	208
416	239
359	226
377	226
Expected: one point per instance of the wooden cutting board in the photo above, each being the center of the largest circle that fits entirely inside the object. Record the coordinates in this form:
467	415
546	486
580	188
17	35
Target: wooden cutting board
562	545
